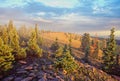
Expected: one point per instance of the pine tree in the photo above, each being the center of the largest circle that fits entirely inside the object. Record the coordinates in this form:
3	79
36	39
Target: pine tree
85	41
20	53
55	45
109	52
59	52
38	36
10	25
97	49
66	62
33	48
36	30
14	39
6	57
86	46
87	52
5	35
70	44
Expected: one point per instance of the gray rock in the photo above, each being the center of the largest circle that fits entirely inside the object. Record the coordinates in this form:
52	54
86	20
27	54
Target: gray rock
22	62
42	79
32	75
35	64
29	68
39	77
18	79
40	73
22	72
8	78
27	79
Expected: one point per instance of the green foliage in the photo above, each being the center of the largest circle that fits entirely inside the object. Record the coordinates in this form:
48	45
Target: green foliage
109	57
14	39
89	73
87	52
59	52
85	41
55	45
66	62
86	45
6	57
33	48
21	54
70	44
5	35
96	52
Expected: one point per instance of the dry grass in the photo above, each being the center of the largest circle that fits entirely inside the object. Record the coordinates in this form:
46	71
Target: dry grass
62	38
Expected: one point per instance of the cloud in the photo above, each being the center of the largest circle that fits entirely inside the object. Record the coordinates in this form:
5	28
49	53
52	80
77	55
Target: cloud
13	3
60	3
63	15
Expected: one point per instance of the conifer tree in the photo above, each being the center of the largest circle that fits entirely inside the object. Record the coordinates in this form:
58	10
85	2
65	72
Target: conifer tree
86	45
14	39
85	41
38	36
66	62
70	44
36	30
97	49
5	35
59	52
55	45
109	52
33	47
20	53
6	57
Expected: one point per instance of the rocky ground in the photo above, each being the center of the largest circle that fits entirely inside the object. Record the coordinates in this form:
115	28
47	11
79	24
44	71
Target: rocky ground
37	70
42	69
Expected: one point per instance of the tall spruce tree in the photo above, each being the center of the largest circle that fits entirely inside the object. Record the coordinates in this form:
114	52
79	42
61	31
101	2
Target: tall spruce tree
33	48
85	41
109	52
5	35
66	61
97	49
55	46
70	44
36	30
86	45
18	52
6	57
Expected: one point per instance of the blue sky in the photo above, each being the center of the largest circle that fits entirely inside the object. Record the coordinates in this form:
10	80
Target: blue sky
93	16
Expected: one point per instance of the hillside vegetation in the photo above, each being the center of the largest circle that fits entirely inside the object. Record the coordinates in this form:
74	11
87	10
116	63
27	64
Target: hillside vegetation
32	54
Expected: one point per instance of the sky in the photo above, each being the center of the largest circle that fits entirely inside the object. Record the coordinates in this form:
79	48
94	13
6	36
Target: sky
76	16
